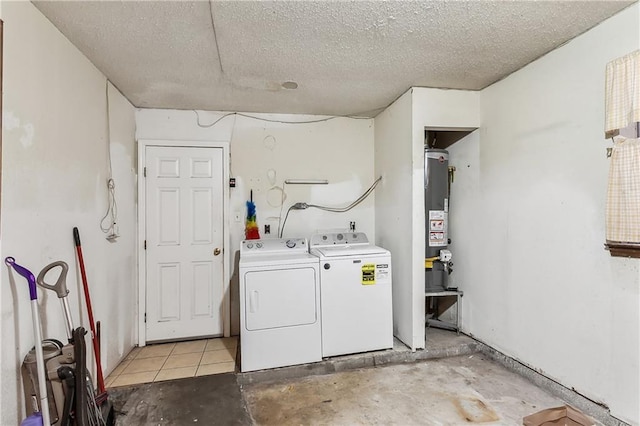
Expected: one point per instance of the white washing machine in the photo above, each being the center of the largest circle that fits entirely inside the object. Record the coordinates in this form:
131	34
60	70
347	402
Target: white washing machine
355	293
279	304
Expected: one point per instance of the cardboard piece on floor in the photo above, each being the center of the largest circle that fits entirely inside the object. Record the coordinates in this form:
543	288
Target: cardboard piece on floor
564	415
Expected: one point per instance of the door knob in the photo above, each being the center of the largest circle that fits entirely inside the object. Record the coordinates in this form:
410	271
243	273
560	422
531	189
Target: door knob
216	251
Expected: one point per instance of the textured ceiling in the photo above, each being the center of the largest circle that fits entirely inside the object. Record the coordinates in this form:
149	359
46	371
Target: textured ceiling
346	57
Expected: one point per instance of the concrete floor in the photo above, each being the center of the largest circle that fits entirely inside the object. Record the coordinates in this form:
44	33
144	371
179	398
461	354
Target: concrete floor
206	400
450	391
449	383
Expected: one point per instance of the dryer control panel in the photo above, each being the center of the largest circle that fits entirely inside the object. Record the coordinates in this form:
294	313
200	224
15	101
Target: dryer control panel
273	246
336	238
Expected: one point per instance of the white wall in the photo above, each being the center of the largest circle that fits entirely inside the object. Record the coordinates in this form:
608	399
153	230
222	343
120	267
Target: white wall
539	285
54	169
394	199
400	224
339	150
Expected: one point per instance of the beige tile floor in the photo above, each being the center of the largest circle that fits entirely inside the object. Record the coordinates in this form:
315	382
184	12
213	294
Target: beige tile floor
169	361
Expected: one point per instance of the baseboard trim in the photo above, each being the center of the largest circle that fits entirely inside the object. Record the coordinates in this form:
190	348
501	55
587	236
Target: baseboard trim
591	408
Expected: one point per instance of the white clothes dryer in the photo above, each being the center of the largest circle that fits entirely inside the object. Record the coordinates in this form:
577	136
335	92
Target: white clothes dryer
355	293
279	304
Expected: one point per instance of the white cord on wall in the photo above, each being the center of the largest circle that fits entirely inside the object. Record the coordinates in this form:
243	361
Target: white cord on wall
109	222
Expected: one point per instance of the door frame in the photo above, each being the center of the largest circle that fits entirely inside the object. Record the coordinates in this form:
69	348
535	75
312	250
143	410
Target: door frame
142	222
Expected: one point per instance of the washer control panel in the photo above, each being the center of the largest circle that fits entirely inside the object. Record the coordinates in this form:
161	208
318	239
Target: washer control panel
336	238
273	246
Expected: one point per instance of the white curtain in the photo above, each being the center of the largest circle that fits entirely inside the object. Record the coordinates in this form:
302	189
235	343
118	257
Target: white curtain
622	110
623	193
622	93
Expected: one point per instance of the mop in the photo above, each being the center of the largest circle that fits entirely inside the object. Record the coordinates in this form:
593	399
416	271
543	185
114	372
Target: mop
43	416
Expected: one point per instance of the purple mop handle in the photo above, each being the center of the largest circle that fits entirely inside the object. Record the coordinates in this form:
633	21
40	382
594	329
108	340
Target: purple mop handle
31	279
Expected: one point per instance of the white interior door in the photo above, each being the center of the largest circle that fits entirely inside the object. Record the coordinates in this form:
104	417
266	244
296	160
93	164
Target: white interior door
184	242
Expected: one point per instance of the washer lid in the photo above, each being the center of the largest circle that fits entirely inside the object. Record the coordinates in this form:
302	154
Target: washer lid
349	250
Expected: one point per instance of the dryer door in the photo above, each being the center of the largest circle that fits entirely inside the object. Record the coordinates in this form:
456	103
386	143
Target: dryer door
280	298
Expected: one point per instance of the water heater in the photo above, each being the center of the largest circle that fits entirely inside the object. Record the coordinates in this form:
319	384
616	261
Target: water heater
436	199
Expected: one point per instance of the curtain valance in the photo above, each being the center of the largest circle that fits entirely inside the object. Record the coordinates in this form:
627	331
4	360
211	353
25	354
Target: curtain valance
622	93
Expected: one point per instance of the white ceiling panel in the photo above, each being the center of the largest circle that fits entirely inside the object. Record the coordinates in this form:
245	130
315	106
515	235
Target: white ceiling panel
346	57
